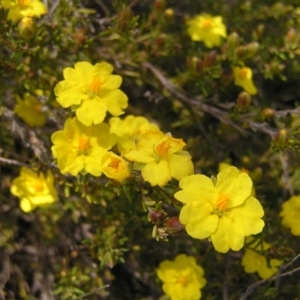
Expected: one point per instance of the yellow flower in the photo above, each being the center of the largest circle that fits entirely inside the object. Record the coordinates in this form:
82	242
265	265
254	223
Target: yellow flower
254	261
79	148
91	91
291	214
115	167
207	29
182	278
34	189
160	157
221	209
19	9
243	78
30	110
126	130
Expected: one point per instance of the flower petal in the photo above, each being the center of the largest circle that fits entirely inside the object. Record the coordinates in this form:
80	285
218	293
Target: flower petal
157	173
180	165
235	184
249	215
199	220
91	111
229	235
196	188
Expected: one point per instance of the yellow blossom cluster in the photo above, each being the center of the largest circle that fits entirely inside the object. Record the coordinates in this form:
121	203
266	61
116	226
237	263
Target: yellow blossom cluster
221	209
84	145
210	30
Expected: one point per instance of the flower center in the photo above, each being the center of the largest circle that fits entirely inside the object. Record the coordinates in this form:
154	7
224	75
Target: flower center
94	87
114	164
243	73
23	2
83	145
38	186
162	148
222	202
207	23
37	108
182	280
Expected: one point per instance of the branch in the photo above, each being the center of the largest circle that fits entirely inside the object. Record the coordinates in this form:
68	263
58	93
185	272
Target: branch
88	294
197	105
274	277
193	103
29	137
13	162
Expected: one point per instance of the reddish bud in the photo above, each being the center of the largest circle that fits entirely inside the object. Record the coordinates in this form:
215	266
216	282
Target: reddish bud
210	59
243	100
174	226
195	65
157	217
281	138
159	5
160	41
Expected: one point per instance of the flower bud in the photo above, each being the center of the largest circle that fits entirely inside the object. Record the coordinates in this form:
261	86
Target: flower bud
281	139
244	100
160	41
156	217
210	59
169	15
27	28
159	5
252	49
233	41
115	167
241	52
174	226
267	113
292	39
195	65
244	52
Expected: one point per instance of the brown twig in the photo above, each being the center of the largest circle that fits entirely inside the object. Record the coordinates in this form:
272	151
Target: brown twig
197	106
285	174
13	162
95	291
251	288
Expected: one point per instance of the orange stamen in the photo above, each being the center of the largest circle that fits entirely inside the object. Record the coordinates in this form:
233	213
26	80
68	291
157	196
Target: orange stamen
222	202
243	73
38	186
23	2
162	148
114	163
182	280
84	144
207	23
95	86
